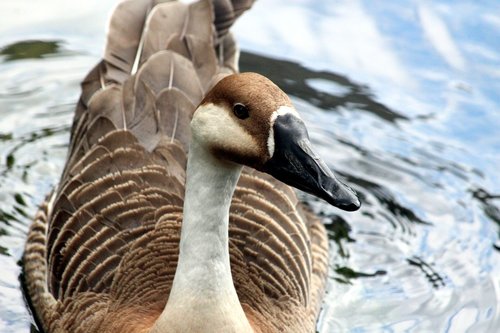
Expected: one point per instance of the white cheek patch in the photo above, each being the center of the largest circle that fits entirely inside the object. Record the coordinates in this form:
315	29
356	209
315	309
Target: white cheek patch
213	126
282	110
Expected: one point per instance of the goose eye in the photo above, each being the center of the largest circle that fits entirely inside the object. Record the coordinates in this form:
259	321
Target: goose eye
240	111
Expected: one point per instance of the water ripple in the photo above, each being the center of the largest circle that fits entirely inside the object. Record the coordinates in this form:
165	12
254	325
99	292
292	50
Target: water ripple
423	253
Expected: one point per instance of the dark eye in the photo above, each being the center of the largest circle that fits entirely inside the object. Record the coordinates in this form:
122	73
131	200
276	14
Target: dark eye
240	111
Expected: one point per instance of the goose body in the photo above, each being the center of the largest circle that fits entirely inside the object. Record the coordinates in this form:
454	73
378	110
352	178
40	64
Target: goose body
161	221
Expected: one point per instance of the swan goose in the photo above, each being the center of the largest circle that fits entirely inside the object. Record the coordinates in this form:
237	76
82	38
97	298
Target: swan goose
161	221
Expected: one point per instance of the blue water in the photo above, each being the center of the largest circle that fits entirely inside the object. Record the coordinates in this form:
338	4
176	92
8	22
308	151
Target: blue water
401	99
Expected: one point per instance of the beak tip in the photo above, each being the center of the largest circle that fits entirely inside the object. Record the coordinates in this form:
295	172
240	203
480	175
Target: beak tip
345	198
350	206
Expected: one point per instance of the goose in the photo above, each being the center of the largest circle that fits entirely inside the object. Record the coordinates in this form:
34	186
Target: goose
174	211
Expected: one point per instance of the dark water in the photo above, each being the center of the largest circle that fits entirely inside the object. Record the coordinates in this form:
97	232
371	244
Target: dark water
401	99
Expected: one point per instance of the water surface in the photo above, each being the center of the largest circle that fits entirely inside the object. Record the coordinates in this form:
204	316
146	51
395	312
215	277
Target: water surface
401	99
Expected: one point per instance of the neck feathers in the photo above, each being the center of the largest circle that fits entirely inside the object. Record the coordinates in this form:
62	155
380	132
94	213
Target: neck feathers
203	297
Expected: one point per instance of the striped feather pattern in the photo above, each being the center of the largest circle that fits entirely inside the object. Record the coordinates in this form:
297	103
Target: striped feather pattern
102	251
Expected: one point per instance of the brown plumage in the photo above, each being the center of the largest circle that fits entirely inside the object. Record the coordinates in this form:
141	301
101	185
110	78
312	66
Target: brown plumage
102	252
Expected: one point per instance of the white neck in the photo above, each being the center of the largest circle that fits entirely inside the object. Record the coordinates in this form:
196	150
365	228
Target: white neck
203	297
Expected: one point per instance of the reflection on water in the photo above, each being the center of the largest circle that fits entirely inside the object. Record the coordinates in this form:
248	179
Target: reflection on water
490	205
29	49
299	81
401	100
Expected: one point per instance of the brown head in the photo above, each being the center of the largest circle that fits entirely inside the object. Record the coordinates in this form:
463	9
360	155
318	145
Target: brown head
248	120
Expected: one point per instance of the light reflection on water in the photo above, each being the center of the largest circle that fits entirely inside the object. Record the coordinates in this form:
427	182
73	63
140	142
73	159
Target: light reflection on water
401	100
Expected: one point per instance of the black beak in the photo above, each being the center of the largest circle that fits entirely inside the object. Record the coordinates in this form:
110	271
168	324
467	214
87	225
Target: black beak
295	163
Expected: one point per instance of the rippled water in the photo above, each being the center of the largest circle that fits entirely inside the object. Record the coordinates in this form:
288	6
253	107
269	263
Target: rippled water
402	100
